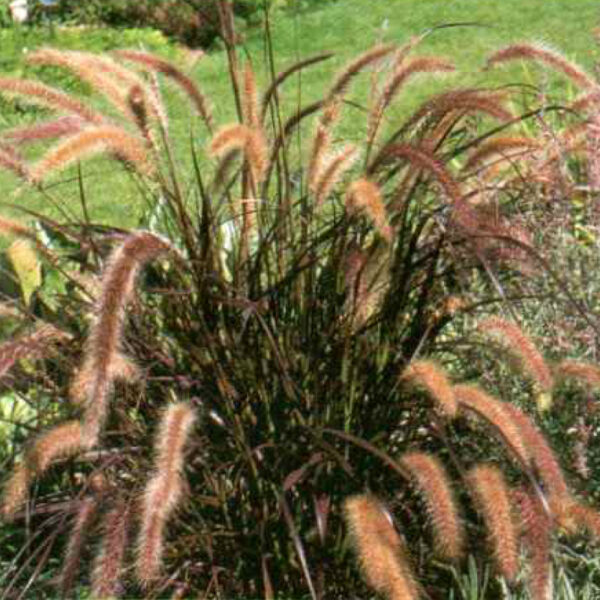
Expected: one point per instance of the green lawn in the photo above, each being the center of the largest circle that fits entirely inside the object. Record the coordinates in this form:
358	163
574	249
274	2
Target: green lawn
345	27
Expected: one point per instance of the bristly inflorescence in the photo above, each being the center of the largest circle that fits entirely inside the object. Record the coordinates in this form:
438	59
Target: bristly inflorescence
164	489
103	353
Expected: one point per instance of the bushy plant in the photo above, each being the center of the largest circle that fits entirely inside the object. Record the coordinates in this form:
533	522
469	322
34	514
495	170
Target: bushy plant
258	360
193	22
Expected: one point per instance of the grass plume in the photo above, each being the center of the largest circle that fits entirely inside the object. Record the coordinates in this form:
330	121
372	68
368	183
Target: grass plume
79	532
432	481
103	74
379	548
164	490
55	128
187	85
250	106
43	95
398	78
492	498
108	563
536	531
540	53
37	344
352	69
103	345
497	414
365	195
508	148
91	141
250	141
332	170
542	456
586	374
61	441
520	345
431	377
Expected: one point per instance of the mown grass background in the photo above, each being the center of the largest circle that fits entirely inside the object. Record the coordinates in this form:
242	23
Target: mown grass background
301	29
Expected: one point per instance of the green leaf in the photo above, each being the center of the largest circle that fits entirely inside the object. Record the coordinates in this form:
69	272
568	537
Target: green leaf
27	267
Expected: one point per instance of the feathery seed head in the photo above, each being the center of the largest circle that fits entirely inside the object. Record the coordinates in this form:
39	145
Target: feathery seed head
15	490
430	376
536	531
38	93
541	454
403	72
379	548
250	99
95	378
108	563
497	414
164	489
492	498
364	195
81	526
91	141
541	53
61	441
584	373
55	128
332	170
372	55
240	137
520	345
432	481
154	63
506	148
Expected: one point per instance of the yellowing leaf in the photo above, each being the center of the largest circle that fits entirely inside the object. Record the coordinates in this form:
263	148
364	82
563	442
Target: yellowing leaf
27	267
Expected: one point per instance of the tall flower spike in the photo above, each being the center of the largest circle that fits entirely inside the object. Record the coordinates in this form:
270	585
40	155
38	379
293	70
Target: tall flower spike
11	161
401	75
321	143
332	171
81	525
342	81
364	195
250	141
15	490
61	441
498	415
539	53
164	490
40	94
584	373
542	456
536	530
502	148
106	76
380	548
91	141
250	99
531	361
103	345
189	87
33	345
492	498
431	377
108	563
433	483
44	130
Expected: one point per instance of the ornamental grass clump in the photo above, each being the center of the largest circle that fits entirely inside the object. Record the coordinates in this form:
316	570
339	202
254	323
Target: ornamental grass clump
297	341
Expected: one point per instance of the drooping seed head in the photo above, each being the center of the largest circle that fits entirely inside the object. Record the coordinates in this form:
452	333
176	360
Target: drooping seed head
379	548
